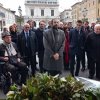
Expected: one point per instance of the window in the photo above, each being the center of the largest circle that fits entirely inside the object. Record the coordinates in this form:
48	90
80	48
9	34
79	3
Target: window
52	12
32	12
98	11
93	2
42	12
67	13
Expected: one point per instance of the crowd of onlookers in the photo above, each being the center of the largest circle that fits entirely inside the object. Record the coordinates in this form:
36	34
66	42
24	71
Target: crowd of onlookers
58	46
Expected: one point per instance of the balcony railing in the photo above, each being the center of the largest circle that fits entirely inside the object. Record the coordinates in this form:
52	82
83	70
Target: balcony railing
41	2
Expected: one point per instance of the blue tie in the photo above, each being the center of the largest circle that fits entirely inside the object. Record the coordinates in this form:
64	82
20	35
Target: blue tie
27	39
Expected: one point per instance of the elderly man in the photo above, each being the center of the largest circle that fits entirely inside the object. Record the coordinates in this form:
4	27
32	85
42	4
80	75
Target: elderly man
10	56
53	41
27	45
93	51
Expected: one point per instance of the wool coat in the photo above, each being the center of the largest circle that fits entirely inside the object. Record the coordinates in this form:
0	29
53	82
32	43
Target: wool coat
52	46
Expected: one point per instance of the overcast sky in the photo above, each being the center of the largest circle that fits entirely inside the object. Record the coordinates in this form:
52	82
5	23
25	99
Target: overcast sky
14	4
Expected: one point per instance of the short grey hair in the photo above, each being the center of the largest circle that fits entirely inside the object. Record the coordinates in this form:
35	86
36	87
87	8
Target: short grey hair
97	25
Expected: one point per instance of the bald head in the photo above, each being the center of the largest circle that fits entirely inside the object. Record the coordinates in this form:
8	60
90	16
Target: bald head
97	28
26	27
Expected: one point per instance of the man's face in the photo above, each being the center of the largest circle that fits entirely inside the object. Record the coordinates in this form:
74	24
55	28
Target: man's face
42	25
86	24
97	29
27	28
7	39
55	23
79	25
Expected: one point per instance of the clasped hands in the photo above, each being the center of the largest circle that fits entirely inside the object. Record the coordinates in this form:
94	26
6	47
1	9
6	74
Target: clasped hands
56	56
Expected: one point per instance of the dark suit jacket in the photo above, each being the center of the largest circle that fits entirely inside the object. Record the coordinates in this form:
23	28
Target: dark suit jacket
76	41
39	35
22	43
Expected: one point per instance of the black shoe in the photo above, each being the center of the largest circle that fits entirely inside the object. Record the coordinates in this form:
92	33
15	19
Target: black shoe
66	69
76	74
98	77
90	77
83	69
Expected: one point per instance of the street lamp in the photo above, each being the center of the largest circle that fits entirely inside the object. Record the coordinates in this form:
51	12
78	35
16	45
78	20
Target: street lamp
84	13
20	14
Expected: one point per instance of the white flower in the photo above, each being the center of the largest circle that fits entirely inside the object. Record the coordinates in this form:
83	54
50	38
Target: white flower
10	93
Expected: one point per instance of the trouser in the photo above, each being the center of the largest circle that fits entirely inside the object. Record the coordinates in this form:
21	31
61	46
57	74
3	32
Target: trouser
83	59
94	66
72	63
41	55
66	63
31	61
18	68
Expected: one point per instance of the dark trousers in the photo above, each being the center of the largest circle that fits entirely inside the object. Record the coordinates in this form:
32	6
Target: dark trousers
94	66
83	59
18	68
41	55
66	64
30	60
72	63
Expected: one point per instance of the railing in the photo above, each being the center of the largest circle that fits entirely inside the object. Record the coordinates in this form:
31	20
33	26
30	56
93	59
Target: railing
41	2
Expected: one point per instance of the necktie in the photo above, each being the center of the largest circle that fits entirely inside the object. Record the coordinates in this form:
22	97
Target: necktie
27	39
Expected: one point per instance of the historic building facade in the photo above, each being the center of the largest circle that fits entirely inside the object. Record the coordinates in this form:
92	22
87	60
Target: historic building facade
66	15
41	10
86	10
7	17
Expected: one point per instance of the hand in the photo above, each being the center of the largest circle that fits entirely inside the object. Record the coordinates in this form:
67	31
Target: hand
56	56
5	58
18	59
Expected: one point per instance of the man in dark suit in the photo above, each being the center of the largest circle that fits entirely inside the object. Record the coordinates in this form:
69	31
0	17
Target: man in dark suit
39	35
27	45
76	47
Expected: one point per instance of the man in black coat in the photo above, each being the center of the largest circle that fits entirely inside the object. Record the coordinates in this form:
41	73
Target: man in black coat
39	35
27	45
93	51
76	47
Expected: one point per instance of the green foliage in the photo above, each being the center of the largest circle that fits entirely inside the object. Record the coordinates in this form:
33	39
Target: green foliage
45	87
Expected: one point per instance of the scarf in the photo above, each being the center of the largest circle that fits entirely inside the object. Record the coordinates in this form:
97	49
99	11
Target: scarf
10	49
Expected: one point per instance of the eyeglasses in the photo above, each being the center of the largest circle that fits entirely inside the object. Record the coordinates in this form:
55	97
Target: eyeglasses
27	27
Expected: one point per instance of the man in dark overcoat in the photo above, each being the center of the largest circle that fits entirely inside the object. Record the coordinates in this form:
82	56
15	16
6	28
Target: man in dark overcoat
93	51
27	45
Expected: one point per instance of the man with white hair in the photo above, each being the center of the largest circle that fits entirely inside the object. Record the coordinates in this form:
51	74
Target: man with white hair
27	45
93	51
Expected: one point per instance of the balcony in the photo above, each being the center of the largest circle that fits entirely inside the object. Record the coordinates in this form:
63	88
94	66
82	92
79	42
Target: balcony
41	2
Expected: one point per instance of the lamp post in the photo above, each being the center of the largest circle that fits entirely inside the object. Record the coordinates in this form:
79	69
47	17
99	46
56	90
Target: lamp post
84	13
20	14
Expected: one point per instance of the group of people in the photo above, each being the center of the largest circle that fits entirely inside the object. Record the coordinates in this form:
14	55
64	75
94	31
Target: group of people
58	46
